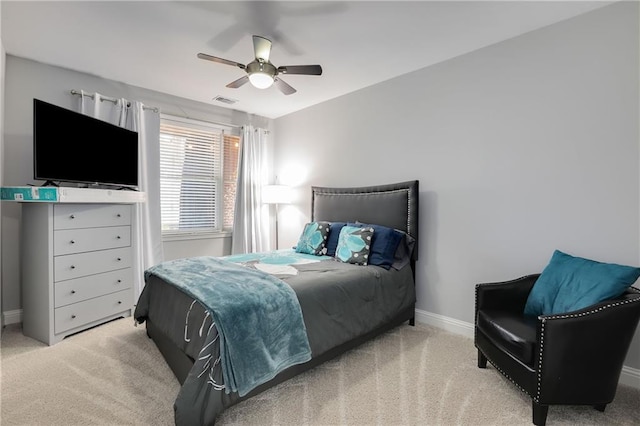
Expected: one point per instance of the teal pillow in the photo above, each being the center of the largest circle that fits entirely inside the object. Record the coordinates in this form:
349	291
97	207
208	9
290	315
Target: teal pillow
354	244
571	283
313	239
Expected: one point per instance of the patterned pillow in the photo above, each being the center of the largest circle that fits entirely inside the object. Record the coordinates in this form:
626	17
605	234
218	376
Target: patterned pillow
354	244
314	238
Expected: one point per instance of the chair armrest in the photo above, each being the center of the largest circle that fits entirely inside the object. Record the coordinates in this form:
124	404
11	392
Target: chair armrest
506	296
580	354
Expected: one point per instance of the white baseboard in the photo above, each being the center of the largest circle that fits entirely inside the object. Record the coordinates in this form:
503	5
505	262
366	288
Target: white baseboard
629	376
12	317
446	323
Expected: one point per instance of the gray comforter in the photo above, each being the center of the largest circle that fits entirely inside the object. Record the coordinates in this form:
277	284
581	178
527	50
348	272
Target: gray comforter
339	302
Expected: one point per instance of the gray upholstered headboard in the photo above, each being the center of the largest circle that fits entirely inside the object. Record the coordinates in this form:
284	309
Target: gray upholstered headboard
394	205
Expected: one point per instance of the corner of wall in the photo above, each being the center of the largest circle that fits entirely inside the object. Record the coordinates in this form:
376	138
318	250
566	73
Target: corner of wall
2	66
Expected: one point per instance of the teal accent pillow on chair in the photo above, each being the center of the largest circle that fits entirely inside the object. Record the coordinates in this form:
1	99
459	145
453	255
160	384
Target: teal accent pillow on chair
571	283
313	239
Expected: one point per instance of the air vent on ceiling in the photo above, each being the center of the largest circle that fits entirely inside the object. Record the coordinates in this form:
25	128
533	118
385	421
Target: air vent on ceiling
225	100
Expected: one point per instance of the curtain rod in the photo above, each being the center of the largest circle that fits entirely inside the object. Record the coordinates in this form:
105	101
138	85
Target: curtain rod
266	132
106	98
185	116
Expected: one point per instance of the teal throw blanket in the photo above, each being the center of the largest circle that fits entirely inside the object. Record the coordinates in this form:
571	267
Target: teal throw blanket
258	317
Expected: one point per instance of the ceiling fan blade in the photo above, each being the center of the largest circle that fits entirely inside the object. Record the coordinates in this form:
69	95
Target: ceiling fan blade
301	69
220	60
239	82
262	48
283	87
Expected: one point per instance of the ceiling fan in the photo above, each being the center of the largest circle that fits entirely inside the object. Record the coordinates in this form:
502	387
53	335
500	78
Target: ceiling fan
262	73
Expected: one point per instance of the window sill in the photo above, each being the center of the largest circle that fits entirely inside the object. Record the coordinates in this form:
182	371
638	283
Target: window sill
195	236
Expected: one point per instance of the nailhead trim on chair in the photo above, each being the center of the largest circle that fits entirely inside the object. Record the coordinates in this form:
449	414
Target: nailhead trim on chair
544	319
475	334
476	299
475	329
536	398
475	313
508	377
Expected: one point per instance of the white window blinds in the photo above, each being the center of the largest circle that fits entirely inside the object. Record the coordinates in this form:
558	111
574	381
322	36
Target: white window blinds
191	176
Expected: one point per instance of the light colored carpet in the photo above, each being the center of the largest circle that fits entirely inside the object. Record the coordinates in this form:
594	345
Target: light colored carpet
114	375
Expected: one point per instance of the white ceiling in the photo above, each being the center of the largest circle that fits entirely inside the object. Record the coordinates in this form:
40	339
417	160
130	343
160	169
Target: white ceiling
153	44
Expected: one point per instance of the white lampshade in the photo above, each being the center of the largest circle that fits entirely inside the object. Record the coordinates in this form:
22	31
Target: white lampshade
261	80
276	194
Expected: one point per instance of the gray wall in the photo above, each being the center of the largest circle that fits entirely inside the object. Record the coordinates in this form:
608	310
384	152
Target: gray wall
2	61
521	148
25	80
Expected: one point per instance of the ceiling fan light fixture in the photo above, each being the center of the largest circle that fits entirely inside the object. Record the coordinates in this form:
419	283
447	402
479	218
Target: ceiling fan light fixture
261	73
261	80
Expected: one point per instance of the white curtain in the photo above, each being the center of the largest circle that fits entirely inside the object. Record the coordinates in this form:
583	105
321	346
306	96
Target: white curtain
147	225
250	222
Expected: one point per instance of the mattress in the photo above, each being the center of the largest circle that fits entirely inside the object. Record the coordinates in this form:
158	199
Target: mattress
339	303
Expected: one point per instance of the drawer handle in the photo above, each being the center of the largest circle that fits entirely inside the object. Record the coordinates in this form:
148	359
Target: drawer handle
72	241
119	215
73	216
73	267
119	281
119	302
73	317
119	259
118	237
73	292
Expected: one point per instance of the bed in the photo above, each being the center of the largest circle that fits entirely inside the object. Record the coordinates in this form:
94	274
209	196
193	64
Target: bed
339	304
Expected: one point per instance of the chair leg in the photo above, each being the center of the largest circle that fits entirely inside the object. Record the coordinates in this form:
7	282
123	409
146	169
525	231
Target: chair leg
412	321
539	414
600	407
482	360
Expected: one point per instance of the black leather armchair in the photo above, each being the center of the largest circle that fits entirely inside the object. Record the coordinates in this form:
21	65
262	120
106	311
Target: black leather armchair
573	358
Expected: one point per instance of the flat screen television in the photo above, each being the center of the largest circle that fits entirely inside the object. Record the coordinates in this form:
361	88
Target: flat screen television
72	147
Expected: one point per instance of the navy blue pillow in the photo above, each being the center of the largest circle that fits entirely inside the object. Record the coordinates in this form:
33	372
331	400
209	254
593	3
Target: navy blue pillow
383	245
334	233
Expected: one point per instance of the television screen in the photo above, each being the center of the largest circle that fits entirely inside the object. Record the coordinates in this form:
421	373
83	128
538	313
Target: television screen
72	147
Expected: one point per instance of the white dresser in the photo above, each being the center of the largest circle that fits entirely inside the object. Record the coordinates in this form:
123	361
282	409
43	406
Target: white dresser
77	266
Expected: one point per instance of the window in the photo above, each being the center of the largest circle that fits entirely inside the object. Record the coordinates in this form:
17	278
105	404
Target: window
198	172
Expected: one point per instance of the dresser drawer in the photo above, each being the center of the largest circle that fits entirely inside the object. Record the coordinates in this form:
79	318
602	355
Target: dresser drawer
68	241
79	289
94	262
79	314
70	216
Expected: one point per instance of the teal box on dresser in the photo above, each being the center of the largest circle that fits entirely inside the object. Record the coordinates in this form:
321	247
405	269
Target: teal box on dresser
29	193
